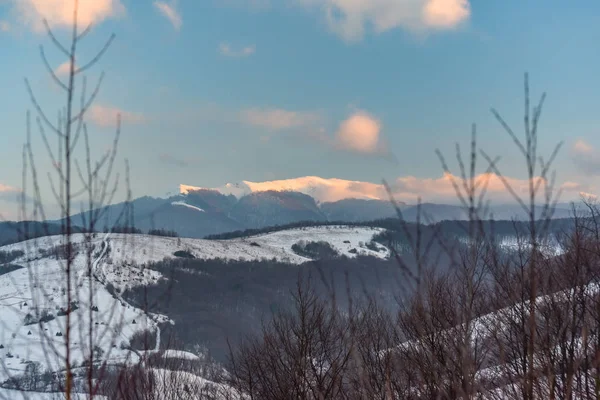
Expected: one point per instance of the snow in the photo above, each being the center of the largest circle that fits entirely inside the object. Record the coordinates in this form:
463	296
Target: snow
118	261
135	250
14	394
187	383
179	354
184	204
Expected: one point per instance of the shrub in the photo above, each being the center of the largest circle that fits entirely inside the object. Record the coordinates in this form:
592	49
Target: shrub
183	254
46	316
372	246
123	229
29	319
316	250
9	256
163	232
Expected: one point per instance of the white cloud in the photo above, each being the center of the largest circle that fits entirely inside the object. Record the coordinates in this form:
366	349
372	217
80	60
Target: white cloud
359	133
278	119
106	116
228	51
4	26
169	11
63	69
351	18
59	13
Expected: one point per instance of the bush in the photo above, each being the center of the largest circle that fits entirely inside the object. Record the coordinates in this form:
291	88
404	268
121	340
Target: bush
143	340
9	256
315	250
163	232
183	254
46	316
29	319
372	246
123	229
61	251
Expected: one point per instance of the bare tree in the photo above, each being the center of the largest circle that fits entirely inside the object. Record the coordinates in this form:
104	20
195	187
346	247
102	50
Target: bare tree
75	187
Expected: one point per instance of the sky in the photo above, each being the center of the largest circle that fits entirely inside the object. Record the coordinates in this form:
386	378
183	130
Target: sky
218	91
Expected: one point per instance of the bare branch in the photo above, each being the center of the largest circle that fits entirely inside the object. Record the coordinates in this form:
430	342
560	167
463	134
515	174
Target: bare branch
97	57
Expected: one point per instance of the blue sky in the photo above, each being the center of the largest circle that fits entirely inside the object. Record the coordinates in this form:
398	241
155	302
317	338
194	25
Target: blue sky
218	91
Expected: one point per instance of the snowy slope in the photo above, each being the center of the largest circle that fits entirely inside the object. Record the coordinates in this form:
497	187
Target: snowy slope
139	249
117	261
38	289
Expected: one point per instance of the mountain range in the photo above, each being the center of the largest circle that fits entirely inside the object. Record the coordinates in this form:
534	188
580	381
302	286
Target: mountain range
200	212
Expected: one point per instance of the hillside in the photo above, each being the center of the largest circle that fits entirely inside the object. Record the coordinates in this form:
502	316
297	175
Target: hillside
33	305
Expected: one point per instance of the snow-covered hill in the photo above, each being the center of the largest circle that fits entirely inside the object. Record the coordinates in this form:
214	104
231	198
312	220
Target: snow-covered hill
37	291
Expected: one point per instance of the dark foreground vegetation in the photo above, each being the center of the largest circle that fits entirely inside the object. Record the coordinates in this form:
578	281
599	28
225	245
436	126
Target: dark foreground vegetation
213	301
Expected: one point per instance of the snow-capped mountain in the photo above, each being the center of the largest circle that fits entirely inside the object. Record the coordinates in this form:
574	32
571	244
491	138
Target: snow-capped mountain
321	189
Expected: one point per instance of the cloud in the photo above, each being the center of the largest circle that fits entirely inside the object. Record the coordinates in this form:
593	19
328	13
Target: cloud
10	201
350	18
278	119
405	189
170	159
4	26
9	192
586	157
359	133
106	116
226	50
446	14
582	147
170	12
64	69
59	13
322	189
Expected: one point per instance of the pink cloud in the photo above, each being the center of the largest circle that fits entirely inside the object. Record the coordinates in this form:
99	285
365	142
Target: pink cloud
63	69
8	189
278	119
169	11
59	13
106	116
359	133
405	189
586	157
4	26
446	14
351	18
582	147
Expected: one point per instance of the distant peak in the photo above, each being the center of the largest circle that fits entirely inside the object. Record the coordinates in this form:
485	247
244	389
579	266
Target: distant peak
321	189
